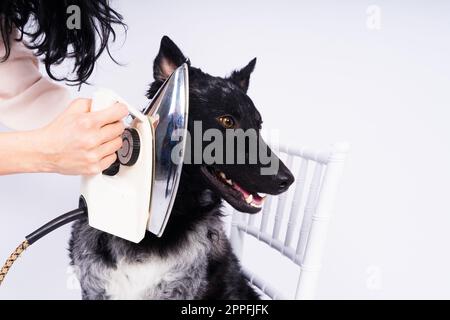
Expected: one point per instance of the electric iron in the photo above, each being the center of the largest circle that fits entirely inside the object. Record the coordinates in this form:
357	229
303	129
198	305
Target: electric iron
137	192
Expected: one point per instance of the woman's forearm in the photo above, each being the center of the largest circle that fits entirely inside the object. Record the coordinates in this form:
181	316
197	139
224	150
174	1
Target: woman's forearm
20	153
77	142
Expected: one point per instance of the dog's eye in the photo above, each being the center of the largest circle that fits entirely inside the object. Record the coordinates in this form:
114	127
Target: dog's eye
227	122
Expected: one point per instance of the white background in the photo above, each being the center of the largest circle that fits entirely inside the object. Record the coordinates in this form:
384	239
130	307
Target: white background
322	76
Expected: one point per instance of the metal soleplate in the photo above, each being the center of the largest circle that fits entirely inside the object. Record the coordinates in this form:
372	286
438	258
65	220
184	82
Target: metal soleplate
171	105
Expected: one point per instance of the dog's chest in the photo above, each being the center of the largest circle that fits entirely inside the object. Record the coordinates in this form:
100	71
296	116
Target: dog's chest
175	276
138	280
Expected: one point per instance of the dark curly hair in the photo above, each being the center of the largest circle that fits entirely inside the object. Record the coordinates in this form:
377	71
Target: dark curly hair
45	23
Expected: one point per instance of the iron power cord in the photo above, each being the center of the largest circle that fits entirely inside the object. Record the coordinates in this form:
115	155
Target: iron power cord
60	221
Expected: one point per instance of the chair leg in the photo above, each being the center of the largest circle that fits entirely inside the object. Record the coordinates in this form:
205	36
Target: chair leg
237	236
311	261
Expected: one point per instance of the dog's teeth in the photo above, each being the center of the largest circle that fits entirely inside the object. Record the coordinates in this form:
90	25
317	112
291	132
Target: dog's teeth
261	195
249	199
222	175
229	181
256	205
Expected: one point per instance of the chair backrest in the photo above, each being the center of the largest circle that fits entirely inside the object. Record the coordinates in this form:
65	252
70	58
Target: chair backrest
296	222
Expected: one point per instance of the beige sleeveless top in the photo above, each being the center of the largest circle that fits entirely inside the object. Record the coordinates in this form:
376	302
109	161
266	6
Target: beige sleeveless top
27	99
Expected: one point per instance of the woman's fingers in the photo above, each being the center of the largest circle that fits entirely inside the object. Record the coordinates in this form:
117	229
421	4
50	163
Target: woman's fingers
109	147
81	142
111	131
107	161
109	115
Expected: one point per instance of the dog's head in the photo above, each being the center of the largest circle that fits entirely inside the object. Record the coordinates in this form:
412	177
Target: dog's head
221	106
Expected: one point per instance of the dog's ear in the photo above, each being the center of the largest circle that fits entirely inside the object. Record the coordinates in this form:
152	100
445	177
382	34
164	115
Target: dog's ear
242	77
168	59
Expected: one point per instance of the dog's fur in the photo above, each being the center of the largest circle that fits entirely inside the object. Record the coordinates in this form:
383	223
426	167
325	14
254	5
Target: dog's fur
193	259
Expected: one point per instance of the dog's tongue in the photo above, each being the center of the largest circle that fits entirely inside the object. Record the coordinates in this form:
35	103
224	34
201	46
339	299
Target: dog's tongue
244	192
256	198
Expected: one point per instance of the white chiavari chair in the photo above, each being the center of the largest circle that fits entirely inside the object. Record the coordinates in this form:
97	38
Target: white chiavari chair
295	223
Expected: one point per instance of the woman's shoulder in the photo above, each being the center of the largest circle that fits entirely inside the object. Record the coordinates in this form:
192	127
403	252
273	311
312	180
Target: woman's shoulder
27	99
18	48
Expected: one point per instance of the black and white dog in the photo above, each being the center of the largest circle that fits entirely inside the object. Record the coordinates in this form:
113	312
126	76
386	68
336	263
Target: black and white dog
193	259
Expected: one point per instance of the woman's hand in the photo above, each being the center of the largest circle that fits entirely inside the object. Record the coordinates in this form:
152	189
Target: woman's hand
80	142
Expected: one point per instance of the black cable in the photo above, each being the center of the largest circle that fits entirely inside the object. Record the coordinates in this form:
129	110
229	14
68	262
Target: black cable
55	224
62	220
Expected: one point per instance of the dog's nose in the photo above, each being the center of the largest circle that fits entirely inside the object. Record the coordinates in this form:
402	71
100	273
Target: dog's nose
285	179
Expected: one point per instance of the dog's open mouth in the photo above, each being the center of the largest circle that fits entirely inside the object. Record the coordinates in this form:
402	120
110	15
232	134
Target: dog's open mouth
232	192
